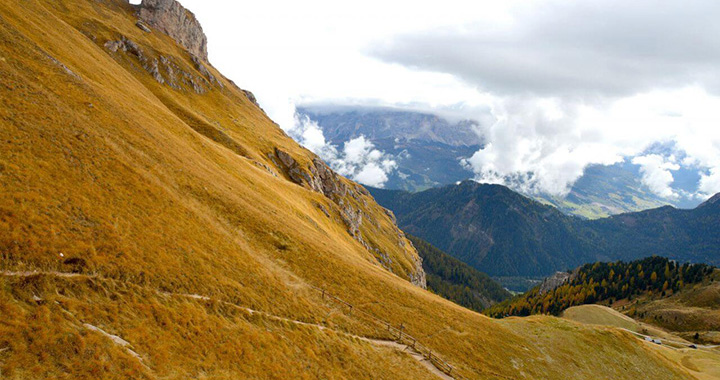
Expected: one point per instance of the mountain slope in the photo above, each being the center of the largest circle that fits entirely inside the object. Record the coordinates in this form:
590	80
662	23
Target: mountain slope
686	235
491	228
603	283
155	224
426	148
504	233
457	281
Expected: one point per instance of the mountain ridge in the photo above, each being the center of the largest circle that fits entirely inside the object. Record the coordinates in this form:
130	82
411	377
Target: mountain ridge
504	233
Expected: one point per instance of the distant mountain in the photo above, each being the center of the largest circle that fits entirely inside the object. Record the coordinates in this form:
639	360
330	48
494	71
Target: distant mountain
340	124
457	281
606	190
492	228
503	233
428	150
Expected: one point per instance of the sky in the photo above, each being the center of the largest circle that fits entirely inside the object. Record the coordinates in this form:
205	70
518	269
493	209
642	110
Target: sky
555	85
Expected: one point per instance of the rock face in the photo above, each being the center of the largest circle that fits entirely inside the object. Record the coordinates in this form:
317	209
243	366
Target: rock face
171	18
557	280
167	70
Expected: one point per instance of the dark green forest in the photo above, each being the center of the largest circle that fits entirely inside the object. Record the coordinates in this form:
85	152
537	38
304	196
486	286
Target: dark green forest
504	234
452	279
606	282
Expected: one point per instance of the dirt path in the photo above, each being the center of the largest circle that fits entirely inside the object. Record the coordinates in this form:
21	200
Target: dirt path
51	273
125	344
666	341
377	342
410	351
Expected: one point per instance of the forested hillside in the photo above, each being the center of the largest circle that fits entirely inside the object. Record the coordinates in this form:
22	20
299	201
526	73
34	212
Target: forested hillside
606	282
457	281
491	228
503	233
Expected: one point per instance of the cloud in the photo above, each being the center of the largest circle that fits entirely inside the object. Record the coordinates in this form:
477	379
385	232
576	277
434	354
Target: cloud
709	183
580	49
358	159
657	174
534	147
572	84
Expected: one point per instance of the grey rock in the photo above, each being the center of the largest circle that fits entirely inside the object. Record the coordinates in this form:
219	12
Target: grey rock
251	97
556	280
143	27
205	72
171	18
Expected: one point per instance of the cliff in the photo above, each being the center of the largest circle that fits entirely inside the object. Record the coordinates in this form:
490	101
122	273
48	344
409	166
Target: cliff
171	18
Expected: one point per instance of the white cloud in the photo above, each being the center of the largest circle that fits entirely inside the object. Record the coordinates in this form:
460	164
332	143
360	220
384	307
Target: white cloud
358	160
535	146
709	183
371	175
657	173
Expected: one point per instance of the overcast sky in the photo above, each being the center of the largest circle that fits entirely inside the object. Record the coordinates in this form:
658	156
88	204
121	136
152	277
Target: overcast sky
556	85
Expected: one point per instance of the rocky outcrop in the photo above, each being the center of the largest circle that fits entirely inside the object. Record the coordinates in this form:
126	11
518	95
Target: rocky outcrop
167	70
320	178
417	277
558	279
171	18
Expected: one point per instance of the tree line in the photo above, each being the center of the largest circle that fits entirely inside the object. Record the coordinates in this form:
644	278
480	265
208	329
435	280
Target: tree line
600	282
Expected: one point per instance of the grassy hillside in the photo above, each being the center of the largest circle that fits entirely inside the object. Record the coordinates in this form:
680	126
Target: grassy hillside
606	316
693	313
167	229
457	281
702	362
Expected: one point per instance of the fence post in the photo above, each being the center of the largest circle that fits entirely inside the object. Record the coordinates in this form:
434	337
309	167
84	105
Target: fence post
323	296
350	312
401	331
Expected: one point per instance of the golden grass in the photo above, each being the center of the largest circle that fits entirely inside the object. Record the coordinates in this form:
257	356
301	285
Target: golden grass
603	315
107	167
